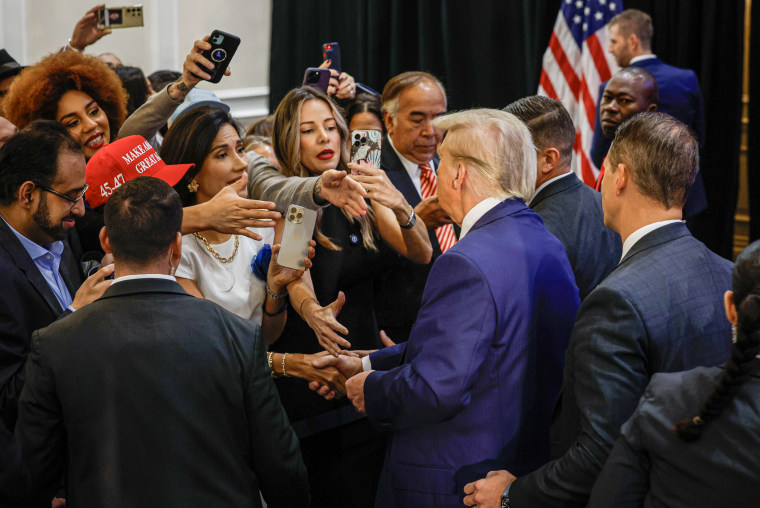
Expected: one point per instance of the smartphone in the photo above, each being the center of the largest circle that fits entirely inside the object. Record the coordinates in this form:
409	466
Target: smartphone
296	235
331	50
223	47
317	78
120	17
366	146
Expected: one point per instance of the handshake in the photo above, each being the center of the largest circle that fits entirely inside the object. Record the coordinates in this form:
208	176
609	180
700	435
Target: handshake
332	376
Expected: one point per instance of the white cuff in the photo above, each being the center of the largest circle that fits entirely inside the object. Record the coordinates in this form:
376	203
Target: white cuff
366	364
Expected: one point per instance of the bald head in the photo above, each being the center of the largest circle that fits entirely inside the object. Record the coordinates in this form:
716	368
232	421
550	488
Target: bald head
631	90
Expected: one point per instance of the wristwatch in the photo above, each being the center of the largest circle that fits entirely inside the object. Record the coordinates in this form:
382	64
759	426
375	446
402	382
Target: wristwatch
412	220
505	498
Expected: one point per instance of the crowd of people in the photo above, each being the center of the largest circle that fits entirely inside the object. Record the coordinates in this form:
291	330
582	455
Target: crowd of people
471	325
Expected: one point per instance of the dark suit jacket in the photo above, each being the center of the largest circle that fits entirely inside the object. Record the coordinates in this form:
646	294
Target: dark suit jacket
660	310
151	397
680	97
26	304
476	384
572	211
651	466
398	292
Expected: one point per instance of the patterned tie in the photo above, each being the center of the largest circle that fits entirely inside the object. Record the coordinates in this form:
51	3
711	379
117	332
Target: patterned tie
428	187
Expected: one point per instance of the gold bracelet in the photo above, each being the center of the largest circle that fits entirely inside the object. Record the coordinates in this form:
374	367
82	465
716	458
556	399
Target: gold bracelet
300	307
285	374
269	360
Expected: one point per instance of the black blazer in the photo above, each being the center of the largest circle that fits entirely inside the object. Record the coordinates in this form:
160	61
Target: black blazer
151	397
572	211
651	466
26	304
398	293
660	310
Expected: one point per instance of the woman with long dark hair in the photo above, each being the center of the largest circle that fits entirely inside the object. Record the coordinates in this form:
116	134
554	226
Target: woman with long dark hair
694	439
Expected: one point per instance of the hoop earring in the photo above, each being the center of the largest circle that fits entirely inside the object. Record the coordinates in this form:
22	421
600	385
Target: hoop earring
192	186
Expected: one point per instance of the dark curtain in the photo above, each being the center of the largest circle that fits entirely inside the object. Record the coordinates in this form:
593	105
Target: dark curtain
753	138
488	54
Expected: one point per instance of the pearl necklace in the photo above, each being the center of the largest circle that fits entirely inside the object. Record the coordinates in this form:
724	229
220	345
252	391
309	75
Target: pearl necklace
215	253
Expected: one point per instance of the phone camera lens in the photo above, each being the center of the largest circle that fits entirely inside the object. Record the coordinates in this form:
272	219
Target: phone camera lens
364	141
291	218
218	55
299	215
313	78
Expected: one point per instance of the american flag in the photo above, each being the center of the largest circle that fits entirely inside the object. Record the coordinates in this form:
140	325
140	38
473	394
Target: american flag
575	64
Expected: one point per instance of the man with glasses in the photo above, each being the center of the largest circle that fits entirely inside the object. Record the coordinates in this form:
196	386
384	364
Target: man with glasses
42	185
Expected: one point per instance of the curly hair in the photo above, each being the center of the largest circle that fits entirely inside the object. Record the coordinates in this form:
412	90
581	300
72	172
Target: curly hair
35	93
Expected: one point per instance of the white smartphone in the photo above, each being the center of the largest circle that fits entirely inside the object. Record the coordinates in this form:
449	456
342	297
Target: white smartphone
298	230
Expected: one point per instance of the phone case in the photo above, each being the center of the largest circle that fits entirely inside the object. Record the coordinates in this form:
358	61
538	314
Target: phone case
298	230
317	78
223	47
366	146
120	17
331	50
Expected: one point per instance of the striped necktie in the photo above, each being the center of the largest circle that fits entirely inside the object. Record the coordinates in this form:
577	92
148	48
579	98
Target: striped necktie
428	187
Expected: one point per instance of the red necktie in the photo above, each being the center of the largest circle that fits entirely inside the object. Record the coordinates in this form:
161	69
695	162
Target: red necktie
428	187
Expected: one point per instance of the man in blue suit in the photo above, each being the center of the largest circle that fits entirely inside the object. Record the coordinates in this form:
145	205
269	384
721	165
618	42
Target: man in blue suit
660	310
631	34
478	379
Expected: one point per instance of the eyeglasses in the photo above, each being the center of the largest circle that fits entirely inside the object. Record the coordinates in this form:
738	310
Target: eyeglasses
73	201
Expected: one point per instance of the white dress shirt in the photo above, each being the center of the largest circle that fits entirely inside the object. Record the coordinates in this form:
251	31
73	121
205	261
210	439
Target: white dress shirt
642	57
642	232
142	276
411	167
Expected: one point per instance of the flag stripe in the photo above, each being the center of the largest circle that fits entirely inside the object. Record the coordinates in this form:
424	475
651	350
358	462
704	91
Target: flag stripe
567	69
597	53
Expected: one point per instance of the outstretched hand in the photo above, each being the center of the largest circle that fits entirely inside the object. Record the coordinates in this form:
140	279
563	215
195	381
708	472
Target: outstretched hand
86	30
486	492
325	325
343	191
228	212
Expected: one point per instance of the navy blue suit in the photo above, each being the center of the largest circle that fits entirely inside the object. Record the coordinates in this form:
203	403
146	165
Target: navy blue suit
651	466
572	211
660	310
679	97
476	384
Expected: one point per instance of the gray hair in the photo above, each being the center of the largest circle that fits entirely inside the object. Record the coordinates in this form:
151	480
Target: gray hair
661	153
497	149
401	82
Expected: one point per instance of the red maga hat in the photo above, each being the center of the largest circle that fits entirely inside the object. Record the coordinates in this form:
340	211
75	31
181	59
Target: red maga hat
125	159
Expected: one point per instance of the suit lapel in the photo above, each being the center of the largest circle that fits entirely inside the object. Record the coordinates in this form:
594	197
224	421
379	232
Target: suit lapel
557	186
69	269
25	263
657	237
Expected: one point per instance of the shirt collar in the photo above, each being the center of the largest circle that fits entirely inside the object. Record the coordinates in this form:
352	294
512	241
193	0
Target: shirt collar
475	213
143	276
642	232
34	249
546	183
642	57
410	166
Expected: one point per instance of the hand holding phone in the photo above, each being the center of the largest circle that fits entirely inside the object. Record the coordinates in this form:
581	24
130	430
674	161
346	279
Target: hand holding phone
366	147
317	78
331	51
120	17
223	47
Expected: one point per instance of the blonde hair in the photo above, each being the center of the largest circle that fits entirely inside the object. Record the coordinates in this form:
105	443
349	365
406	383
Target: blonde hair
497	149
286	140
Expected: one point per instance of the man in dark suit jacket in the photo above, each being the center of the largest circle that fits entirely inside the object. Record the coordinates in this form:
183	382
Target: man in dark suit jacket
410	102
478	380
149	396
631	34
571	210
42	181
660	310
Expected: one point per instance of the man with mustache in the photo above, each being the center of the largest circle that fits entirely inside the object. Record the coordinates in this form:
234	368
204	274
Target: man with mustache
42	182
631	90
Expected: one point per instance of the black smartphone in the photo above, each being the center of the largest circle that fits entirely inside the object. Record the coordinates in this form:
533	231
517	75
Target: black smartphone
317	78
223	47
331	51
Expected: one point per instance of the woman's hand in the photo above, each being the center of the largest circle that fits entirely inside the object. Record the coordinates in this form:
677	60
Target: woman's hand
86	30
379	187
280	276
342	85
195	69
324	323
